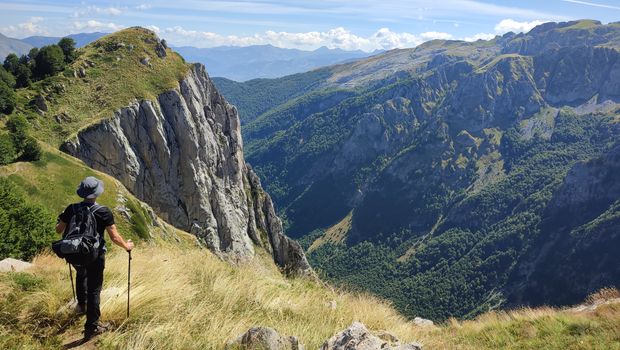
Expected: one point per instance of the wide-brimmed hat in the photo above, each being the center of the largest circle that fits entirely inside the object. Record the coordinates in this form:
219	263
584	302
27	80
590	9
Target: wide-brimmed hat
91	187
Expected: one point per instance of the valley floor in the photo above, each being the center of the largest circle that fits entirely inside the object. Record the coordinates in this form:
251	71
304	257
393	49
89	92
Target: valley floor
186	298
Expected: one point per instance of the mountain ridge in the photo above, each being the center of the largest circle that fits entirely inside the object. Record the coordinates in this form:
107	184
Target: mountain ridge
434	151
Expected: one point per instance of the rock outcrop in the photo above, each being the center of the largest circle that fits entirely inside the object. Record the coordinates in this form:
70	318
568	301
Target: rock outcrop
264	338
183	155
357	337
14	265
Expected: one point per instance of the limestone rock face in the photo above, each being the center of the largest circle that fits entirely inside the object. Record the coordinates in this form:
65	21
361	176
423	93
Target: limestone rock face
183	155
264	338
357	337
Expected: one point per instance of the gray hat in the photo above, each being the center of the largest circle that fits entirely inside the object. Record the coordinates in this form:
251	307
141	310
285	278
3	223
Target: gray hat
91	187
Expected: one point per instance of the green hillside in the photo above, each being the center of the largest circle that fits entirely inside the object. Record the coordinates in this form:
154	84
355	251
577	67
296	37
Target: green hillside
452	158
85	92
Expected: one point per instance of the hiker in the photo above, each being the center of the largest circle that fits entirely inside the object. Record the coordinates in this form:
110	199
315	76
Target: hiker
89	278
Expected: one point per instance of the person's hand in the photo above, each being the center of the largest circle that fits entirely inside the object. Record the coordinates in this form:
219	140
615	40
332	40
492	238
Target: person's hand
129	246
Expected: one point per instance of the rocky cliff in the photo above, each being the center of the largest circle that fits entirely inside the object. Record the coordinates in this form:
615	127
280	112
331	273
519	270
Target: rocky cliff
183	154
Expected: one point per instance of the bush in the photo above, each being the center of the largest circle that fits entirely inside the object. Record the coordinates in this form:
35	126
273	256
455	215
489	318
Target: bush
11	62
18	126
7	98
49	61
7	149
7	77
67	45
25	228
23	76
31	150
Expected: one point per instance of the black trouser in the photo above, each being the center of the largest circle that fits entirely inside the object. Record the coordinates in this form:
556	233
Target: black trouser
89	281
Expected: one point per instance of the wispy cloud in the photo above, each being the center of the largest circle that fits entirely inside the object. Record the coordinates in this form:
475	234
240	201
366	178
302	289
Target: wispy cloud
372	9
93	25
505	26
31	27
340	38
588	3
143	7
89	10
510	25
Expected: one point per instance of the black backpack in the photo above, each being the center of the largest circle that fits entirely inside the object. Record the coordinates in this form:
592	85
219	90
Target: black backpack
80	243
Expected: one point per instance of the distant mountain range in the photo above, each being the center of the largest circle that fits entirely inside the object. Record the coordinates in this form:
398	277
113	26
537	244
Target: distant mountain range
81	39
264	61
231	62
8	45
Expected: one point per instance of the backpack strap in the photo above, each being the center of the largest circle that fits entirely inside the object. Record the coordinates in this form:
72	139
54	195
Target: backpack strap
95	207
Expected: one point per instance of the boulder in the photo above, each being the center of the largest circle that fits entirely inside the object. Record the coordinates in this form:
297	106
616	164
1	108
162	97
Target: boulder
146	61
39	101
14	265
160	50
419	321
62	118
264	338
358	337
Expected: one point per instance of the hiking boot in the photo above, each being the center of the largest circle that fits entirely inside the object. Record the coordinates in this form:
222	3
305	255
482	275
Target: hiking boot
93	332
80	309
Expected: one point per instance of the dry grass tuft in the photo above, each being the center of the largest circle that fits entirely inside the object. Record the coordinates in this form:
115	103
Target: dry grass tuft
603	295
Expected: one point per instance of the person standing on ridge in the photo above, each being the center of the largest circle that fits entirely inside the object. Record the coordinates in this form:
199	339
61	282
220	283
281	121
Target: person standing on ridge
89	278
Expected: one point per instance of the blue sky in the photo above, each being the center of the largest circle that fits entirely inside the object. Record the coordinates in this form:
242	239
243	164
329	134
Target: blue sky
304	24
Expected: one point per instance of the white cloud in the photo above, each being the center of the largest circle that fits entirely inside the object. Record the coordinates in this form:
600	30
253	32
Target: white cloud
31	27
110	11
480	36
505	26
510	25
594	4
436	35
97	26
340	38
143	7
153	28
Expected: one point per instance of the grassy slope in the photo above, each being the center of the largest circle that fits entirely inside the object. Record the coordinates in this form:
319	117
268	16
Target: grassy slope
186	298
114	78
52	182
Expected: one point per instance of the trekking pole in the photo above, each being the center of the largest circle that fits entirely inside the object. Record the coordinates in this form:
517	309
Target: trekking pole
128	281
71	278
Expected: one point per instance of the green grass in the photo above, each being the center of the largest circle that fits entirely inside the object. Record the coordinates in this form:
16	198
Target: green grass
187	298
52	182
113	80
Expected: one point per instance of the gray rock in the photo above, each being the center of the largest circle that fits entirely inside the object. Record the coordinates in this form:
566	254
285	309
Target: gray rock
357	337
81	72
40	103
14	265
62	118
146	61
264	338
182	154
419	321
160	49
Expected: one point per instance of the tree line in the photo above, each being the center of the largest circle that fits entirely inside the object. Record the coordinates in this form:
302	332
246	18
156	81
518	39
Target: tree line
40	63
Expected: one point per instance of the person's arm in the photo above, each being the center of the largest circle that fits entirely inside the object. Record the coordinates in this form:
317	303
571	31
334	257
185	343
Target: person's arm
61	226
63	218
117	239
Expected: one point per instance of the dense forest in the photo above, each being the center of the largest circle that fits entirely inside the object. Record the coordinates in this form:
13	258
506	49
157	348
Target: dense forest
438	176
